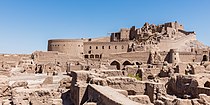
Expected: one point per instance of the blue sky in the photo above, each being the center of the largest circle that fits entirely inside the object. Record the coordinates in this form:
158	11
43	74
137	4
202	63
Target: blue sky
26	25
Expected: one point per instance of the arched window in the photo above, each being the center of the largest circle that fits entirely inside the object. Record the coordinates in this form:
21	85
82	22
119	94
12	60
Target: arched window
89	52
122	47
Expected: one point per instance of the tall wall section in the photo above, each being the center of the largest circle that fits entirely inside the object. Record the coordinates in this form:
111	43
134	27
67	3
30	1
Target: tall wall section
180	44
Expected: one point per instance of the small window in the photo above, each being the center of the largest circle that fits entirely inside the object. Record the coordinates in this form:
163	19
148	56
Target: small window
122	47
174	58
91	56
109	47
78	45
102	47
86	56
64	45
115	47
96	56
89	52
90	47
96	47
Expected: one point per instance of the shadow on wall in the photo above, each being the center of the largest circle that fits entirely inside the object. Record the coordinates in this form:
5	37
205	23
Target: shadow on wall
66	98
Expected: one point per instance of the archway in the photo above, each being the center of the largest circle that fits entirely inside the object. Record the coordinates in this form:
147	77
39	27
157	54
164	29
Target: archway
207	84
131	92
205	58
127	63
137	63
117	64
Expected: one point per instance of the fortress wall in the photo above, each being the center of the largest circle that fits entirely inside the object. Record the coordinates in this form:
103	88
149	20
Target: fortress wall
186	57
72	47
165	45
45	57
105	48
132	56
51	57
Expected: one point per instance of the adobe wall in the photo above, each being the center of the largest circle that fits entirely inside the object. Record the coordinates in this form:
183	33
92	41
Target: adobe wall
104	48
12	59
190	57
49	57
53	58
131	56
166	45
71	47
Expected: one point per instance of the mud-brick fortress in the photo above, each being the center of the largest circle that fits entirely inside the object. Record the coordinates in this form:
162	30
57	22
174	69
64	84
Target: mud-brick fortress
151	44
152	65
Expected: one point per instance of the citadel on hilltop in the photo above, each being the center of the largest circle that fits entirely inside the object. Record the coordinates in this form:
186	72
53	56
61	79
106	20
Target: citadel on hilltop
169	41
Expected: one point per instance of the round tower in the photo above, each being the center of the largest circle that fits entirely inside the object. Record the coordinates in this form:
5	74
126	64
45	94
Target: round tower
174	56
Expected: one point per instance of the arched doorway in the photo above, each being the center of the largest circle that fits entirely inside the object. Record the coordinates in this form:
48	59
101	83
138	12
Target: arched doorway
207	84
205	58
127	63
117	64
137	63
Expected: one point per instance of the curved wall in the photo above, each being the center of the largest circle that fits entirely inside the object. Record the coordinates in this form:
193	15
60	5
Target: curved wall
72	47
